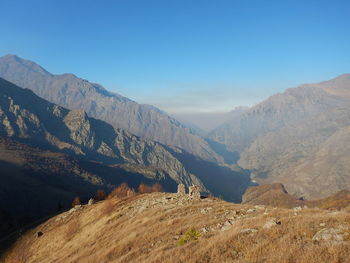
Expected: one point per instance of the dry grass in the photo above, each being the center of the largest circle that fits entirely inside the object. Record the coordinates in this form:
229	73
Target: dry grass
72	228
149	227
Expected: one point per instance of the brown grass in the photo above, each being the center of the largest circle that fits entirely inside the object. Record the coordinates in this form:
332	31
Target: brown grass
148	227
72	228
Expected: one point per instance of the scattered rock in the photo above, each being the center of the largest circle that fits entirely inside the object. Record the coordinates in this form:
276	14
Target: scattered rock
227	225
331	234
72	210
251	211
181	189
272	222
204	230
249	230
322	224
91	201
39	234
205	210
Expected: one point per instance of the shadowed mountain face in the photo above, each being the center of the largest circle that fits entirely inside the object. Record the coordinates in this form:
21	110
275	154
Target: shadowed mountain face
298	137
74	93
37	183
26	117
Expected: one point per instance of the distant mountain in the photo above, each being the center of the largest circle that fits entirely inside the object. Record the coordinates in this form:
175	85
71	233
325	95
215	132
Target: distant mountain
72	92
27	118
276	195
298	137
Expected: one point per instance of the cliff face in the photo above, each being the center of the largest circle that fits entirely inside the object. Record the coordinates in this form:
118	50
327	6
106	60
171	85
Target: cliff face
74	93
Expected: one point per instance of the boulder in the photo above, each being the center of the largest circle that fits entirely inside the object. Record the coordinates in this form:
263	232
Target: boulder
272	222
331	234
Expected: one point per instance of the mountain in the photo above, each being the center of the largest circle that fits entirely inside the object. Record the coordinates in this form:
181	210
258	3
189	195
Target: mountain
293	137
72	92
36	183
164	227
277	196
30	119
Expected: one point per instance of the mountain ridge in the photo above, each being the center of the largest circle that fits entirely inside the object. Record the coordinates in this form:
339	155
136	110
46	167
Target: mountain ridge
285	130
69	91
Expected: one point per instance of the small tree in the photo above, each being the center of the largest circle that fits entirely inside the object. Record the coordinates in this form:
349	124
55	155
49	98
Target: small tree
100	195
157	187
121	191
142	188
76	201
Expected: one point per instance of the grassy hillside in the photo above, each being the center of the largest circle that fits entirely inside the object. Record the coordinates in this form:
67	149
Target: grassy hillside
163	227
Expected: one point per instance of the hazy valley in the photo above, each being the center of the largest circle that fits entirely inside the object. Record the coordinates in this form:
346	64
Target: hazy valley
287	159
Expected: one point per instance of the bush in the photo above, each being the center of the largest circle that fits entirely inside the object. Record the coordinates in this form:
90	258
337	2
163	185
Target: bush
76	201
157	187
100	195
190	235
122	190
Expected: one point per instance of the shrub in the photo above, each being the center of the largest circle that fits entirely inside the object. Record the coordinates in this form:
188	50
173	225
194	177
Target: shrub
122	190
76	201
100	195
190	235
157	187
108	207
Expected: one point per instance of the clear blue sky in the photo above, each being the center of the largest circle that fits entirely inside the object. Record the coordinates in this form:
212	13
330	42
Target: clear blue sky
183	55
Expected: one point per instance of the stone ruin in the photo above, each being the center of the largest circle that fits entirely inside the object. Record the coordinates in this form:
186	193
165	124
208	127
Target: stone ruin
181	189
194	192
130	193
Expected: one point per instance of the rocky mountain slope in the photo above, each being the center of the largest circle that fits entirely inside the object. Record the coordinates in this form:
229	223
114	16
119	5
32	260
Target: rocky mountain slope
288	138
72	92
36	183
26	117
163	227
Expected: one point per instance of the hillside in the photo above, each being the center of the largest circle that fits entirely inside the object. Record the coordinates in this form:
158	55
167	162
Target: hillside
285	138
277	196
36	183
163	227
73	93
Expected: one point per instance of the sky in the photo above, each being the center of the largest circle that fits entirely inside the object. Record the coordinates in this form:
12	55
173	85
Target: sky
183	56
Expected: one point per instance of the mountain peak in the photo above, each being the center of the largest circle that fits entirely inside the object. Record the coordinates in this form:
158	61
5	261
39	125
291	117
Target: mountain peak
16	63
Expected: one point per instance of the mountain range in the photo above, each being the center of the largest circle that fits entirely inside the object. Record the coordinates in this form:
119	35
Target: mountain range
72	92
298	137
49	155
